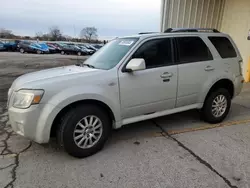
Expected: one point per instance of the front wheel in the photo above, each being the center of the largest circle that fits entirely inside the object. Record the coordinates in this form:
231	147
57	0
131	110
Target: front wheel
79	53
84	130
216	106
62	52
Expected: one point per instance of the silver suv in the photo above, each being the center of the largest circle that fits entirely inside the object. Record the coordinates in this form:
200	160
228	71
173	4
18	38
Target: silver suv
130	79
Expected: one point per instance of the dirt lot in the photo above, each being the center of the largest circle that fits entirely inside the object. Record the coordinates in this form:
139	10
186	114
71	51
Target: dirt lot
173	151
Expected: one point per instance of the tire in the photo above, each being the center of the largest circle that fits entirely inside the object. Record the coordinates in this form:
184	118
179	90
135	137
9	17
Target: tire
21	50
208	114
62	52
38	51
79	53
70	123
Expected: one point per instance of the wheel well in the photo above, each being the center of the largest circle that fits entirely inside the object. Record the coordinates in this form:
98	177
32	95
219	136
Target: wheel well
59	116
224	83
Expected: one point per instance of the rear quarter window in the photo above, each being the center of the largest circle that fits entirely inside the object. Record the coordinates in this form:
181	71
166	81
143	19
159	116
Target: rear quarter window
223	46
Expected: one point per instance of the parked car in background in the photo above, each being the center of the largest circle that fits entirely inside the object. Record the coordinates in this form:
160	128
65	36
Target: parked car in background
97	46
54	46
52	50
88	46
33	47
88	51
2	47
11	45
43	46
91	47
72	49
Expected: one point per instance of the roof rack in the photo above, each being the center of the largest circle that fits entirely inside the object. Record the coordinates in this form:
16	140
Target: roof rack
143	33
171	30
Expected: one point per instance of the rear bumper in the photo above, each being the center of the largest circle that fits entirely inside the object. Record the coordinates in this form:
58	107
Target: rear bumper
238	84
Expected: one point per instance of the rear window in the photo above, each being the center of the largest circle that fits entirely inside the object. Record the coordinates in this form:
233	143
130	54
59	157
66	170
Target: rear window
192	49
223	46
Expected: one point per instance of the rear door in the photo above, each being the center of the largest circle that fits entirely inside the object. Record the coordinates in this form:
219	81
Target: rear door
195	66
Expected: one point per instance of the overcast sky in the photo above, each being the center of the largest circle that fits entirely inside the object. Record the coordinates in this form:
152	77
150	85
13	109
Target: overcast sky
110	17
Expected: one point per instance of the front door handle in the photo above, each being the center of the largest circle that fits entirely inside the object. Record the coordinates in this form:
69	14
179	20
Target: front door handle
166	75
209	68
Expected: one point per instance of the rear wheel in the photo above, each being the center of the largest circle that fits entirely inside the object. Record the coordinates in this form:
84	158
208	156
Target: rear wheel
216	106
79	53
38	51
21	50
84	130
62	52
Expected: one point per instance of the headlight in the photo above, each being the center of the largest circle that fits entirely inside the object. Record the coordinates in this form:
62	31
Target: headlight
25	98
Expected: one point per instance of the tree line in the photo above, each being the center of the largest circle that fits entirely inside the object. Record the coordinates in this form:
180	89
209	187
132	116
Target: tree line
87	34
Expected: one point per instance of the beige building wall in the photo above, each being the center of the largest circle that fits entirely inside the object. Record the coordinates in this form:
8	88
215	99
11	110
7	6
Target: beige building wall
229	16
191	13
236	22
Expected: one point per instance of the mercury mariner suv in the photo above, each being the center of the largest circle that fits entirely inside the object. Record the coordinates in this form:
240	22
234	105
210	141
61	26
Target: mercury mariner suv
130	79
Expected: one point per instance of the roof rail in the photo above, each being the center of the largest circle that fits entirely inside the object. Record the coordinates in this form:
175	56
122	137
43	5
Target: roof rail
143	33
170	30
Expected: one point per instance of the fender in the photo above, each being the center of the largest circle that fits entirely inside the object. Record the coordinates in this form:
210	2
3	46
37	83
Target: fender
74	94
210	82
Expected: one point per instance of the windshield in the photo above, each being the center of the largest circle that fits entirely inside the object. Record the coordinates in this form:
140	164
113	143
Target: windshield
77	47
111	54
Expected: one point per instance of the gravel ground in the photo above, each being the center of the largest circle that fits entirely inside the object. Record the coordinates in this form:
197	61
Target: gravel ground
173	151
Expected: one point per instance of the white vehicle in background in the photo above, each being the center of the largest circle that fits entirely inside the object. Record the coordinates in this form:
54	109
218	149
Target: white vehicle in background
128	80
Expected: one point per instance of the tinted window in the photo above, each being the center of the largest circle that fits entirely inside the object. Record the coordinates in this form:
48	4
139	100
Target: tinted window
156	53
223	46
192	49
26	43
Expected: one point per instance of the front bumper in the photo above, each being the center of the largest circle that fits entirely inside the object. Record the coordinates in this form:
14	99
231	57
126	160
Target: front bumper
33	123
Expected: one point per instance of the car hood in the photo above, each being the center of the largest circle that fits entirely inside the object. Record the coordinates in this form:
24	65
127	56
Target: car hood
54	73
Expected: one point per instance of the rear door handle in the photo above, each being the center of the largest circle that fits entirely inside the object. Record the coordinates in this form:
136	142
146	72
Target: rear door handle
209	68
166	75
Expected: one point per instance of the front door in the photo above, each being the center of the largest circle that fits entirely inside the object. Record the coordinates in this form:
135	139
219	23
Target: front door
153	89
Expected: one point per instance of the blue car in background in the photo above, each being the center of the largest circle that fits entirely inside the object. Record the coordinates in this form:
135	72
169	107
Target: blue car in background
43	46
11	45
2	46
33	47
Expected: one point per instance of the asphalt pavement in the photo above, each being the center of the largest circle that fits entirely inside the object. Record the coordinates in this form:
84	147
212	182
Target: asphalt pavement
175	151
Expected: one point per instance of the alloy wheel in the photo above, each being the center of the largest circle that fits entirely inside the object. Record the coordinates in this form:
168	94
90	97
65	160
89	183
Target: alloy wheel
88	131
219	105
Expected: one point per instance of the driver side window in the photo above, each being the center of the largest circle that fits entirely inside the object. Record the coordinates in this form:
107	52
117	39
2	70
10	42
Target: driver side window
156	53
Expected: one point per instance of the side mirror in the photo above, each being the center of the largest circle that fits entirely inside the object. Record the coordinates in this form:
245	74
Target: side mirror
135	65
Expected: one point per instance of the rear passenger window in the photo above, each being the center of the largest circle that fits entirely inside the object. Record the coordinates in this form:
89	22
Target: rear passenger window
192	49
223	46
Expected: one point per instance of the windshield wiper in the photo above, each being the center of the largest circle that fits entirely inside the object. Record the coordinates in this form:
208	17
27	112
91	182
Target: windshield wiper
88	65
